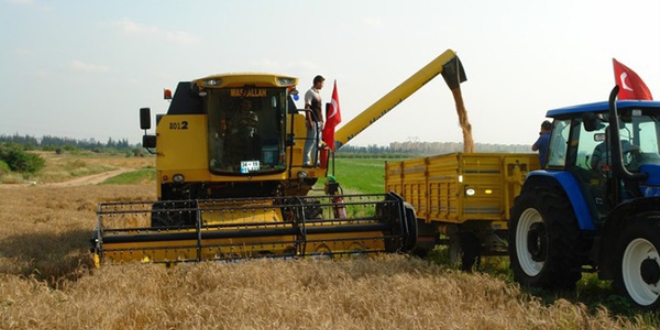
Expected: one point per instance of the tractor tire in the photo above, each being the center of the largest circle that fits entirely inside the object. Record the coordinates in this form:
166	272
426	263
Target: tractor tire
464	250
638	252
543	239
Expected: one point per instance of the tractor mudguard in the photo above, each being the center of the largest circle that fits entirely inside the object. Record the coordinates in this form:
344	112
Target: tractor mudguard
574	193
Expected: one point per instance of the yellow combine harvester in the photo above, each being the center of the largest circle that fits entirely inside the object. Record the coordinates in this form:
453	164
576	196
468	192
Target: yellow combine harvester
231	181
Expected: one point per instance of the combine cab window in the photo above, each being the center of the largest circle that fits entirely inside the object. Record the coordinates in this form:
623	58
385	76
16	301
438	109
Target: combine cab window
246	130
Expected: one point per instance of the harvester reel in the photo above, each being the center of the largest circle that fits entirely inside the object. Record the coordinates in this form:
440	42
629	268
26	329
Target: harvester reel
173	214
230	229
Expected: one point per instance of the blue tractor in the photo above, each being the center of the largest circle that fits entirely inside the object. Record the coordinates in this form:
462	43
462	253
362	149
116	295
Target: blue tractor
596	205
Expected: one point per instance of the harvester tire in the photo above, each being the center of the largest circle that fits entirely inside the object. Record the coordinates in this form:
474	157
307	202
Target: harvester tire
464	250
410	240
638	252
543	239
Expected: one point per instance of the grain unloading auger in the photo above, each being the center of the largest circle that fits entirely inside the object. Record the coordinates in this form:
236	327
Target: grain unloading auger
232	183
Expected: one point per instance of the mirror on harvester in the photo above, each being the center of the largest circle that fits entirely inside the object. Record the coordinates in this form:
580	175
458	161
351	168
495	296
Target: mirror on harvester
145	118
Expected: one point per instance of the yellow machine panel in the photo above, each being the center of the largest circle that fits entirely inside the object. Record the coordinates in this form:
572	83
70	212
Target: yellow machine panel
182	143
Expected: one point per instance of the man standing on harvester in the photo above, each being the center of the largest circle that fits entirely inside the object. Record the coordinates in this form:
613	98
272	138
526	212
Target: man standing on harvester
314	120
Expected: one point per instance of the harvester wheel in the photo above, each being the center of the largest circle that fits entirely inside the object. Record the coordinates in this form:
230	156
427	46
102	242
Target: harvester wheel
543	239
638	276
464	250
410	240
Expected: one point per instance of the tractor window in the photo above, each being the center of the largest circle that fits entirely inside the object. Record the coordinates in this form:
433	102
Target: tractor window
558	143
639	141
648	136
588	145
639	136
246	130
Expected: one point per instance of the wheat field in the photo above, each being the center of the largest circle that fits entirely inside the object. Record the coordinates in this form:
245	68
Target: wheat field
47	282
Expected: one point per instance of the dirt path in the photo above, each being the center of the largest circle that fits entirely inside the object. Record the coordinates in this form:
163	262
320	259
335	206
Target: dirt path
89	179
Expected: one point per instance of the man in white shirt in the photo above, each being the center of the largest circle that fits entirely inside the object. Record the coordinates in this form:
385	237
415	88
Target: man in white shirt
314	121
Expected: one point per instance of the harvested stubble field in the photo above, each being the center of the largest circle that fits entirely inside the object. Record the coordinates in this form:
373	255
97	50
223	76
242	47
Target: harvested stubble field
46	283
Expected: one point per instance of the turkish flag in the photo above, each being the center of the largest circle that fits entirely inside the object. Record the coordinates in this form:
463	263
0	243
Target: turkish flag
631	86
332	119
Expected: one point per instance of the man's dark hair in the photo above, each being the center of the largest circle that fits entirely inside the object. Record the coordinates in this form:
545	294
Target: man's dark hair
546	125
318	79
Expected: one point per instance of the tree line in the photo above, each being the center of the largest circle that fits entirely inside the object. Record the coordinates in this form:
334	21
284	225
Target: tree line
52	143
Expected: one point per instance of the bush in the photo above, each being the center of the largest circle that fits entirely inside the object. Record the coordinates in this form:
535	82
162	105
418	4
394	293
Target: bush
4	168
21	161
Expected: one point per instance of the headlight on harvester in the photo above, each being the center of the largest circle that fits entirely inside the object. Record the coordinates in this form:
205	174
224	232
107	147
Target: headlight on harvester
302	175
178	178
283	81
212	82
469	191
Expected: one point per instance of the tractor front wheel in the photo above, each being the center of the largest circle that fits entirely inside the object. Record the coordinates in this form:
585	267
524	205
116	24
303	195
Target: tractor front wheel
639	268
543	237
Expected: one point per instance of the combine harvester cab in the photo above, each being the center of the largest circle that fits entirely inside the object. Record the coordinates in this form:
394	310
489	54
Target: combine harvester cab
231	181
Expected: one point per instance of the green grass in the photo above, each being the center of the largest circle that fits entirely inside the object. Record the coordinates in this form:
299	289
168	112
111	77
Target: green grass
360	175
143	175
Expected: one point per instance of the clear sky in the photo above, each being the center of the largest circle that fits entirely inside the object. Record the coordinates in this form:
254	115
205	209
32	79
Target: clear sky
82	69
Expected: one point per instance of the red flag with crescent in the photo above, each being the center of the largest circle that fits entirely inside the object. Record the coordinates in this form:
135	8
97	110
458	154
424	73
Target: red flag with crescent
333	118
631	86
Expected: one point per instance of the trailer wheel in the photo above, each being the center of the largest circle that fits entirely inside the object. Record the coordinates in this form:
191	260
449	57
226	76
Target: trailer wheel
543	237
464	250
638	276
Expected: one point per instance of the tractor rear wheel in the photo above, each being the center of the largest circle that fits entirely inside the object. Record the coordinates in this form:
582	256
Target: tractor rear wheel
543	237
638	276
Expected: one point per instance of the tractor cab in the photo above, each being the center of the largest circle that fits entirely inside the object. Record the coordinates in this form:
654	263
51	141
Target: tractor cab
584	143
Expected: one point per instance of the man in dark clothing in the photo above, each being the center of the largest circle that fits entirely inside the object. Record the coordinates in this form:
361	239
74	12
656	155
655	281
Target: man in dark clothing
543	143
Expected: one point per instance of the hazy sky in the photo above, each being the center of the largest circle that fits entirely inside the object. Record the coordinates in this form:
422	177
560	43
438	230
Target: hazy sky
82	69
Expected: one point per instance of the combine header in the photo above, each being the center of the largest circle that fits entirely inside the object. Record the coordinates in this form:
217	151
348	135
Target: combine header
248	228
232	184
